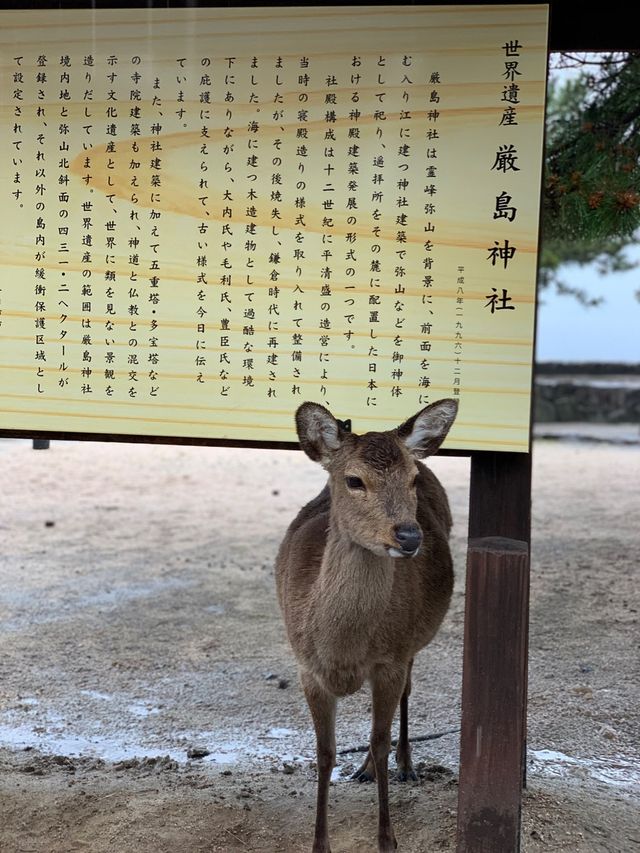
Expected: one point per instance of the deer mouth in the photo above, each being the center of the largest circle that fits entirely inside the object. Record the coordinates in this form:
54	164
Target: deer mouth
396	553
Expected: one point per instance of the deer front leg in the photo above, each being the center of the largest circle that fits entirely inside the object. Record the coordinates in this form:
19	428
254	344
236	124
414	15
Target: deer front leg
403	749
387	686
323	711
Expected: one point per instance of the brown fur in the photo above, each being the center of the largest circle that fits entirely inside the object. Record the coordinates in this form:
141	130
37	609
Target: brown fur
353	612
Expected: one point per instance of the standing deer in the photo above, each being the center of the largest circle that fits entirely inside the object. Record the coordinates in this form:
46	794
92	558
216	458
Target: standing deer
364	579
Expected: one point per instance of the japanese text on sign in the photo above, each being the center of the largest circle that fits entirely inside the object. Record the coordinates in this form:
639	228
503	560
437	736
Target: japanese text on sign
212	215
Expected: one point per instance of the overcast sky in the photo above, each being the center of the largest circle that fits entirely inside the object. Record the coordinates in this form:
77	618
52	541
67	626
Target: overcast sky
610	332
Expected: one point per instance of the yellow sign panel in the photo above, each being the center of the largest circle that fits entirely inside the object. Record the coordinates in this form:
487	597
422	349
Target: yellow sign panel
212	215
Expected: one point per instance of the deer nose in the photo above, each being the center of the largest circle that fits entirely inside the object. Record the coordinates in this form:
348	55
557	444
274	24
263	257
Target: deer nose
408	537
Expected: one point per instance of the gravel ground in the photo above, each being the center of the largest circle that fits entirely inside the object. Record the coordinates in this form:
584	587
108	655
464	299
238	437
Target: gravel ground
140	631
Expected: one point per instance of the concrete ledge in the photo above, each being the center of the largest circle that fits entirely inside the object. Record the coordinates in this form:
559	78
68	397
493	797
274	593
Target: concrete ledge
577	431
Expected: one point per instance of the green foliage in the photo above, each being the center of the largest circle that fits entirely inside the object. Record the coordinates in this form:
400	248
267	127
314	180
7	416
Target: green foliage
591	197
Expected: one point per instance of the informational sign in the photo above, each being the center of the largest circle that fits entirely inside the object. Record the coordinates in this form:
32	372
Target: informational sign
210	216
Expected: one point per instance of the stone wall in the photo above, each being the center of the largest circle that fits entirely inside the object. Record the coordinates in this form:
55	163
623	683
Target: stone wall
587	393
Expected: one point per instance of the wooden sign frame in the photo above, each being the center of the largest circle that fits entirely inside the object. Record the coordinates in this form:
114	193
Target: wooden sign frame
381	288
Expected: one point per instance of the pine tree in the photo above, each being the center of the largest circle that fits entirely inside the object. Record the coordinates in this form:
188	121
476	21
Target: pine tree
591	193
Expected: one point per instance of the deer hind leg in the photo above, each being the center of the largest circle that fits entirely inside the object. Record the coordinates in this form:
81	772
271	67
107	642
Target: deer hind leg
387	687
403	750
367	770
323	711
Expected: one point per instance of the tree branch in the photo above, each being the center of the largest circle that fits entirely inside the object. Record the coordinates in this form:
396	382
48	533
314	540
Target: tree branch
415	739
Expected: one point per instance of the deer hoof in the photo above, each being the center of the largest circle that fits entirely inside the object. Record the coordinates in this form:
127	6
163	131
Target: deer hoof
363	775
366	772
408	775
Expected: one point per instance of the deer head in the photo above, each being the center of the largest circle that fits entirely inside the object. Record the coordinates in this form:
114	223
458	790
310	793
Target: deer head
374	478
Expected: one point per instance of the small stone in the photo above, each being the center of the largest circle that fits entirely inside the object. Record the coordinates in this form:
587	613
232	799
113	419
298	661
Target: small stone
608	733
537	836
127	764
283	683
198	752
288	768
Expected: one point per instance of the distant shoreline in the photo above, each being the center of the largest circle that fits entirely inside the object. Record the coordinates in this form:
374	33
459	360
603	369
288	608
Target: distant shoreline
581	368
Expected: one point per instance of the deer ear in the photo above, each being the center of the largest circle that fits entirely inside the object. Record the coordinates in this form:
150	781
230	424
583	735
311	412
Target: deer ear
319	432
424	433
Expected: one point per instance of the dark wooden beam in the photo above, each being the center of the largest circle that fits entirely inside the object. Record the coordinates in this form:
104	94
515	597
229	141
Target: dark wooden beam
493	736
494	686
500	495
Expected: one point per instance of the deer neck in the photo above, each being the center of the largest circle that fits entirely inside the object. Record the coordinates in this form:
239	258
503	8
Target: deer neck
354	587
350	597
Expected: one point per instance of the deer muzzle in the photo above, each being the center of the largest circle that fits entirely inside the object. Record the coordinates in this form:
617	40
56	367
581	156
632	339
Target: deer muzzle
408	538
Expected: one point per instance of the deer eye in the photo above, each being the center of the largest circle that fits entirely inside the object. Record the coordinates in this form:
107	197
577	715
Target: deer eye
355	483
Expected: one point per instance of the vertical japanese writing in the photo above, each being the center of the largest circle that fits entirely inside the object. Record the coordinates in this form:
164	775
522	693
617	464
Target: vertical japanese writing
430	189
228	156
16	107
64	235
202	307
40	164
251	154
122	353
377	270
330	176
274	260
84	245
299	261
402	188
154	284
458	337
506	164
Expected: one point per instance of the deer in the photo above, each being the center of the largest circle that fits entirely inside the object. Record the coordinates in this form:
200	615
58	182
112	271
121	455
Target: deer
364	578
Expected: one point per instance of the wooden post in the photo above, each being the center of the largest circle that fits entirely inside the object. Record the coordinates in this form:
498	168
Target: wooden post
494	688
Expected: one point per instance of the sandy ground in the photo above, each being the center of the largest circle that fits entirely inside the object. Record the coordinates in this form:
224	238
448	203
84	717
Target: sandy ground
139	623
